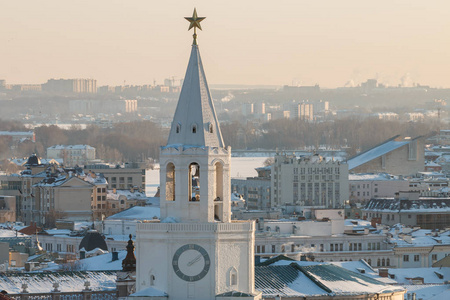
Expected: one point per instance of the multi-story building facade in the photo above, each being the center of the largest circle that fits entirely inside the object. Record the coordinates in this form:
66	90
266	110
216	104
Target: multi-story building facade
310	181
102	106
255	190
121	177
409	209
11	185
70	86
62	197
72	155
364	187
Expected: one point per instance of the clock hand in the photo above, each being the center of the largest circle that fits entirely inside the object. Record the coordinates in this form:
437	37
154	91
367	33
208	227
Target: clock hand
196	259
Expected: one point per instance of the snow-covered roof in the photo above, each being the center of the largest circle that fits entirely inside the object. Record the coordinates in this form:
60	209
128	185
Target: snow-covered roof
420	238
42	282
17	133
70	147
127	193
300	279
429	292
372	177
95	179
149	292
429	275
6	233
103	262
375	152
362	267
432	164
430	205
137	213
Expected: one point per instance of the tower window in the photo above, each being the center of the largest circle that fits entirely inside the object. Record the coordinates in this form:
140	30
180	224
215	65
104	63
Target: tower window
211	130
194	128
170	182
194	182
233	276
178	129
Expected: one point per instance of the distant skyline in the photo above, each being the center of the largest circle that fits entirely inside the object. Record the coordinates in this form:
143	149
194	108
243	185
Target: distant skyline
326	42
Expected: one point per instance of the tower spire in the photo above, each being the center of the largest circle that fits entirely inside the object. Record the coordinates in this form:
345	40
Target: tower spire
195	23
195	121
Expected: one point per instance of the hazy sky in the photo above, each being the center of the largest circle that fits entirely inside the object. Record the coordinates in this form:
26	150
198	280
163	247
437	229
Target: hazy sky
328	42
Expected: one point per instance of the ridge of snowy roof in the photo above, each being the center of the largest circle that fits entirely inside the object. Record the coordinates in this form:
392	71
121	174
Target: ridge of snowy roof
375	152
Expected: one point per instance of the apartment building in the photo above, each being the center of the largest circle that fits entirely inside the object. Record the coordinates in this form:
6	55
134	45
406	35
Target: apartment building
308	180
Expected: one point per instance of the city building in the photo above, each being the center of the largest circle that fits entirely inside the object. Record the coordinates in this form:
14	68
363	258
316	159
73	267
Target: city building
19	136
89	107
418	248
366	186
259	108
247	109
120	177
255	190
72	155
62	86
62	197
397	155
409	209
309	180
323	235
11	185
7	209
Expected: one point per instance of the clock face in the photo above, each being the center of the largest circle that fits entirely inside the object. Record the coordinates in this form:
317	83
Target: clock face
191	262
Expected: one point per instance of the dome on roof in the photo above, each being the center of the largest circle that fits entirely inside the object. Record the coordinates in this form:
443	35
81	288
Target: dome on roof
93	239
33	160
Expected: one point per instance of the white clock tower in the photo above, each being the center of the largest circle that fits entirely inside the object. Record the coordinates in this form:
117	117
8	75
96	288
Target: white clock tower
195	251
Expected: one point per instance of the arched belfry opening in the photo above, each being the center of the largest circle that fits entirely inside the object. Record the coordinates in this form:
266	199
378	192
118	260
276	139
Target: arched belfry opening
194	182
170	182
218	191
218	184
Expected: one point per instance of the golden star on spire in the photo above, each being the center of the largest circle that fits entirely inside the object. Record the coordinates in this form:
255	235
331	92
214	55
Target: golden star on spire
195	23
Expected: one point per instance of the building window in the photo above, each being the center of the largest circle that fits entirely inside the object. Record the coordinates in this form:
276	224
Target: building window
273	248
434	257
416	258
405	257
